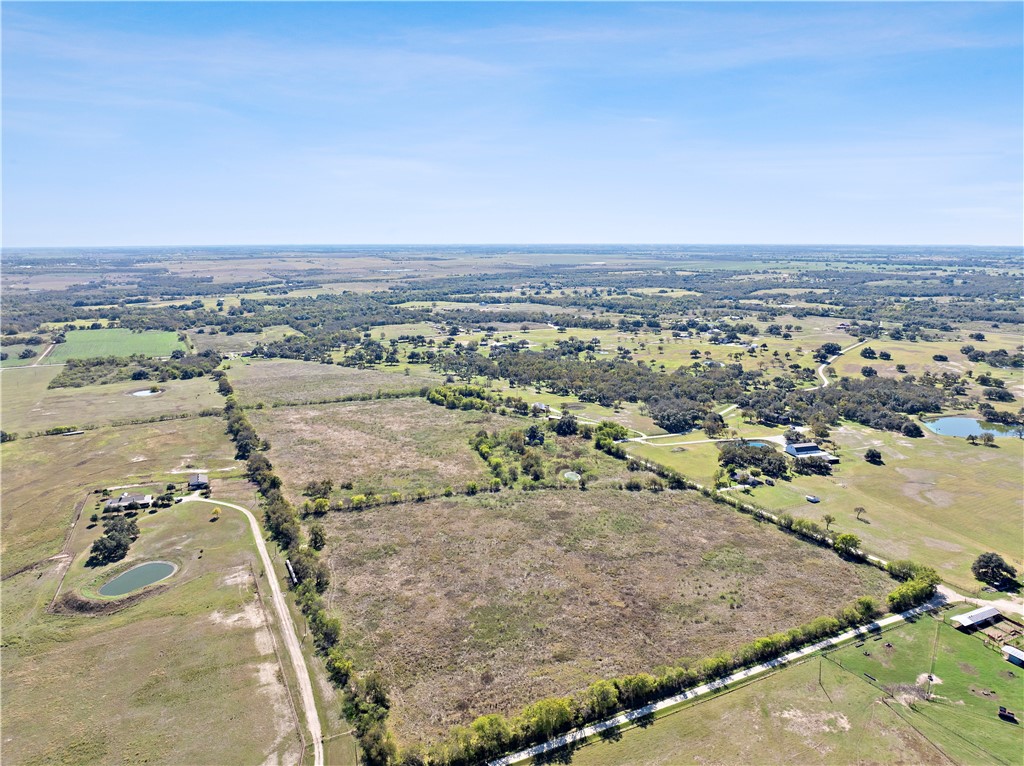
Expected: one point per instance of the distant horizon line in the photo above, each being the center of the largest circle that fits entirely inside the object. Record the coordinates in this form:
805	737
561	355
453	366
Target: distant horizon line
5	248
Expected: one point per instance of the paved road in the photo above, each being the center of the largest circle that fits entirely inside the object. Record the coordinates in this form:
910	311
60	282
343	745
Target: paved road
291	639
589	731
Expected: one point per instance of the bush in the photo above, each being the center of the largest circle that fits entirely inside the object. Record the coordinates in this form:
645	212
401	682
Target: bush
912	429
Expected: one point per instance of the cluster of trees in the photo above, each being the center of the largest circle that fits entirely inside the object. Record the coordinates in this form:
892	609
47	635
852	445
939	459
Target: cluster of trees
119	532
999	357
763	458
881	403
247	441
467	397
280	516
516	453
491	735
113	369
992	415
607	436
917	584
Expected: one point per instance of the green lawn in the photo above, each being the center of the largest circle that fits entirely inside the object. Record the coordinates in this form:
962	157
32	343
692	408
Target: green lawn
82	344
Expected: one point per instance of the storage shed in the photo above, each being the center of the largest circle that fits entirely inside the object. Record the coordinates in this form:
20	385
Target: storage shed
1014	655
976	618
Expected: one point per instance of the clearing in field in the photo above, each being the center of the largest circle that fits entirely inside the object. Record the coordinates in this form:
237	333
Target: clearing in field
186	674
381	446
84	344
483	604
286	381
237	342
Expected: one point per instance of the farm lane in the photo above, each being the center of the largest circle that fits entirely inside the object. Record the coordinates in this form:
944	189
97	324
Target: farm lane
1016	606
288	633
821	370
43	356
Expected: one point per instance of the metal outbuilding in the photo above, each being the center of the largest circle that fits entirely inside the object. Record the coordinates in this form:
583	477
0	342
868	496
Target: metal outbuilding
977	617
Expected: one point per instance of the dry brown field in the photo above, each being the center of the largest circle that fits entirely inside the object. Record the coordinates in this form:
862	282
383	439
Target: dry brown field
473	605
382	446
287	381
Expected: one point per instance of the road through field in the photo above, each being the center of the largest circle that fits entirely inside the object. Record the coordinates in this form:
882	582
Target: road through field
291	640
578	735
821	370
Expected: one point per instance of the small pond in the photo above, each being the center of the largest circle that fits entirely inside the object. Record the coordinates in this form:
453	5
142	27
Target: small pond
571	476
138	577
146	392
961	426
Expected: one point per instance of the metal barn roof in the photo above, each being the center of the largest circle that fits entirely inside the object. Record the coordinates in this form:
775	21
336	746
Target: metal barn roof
978	615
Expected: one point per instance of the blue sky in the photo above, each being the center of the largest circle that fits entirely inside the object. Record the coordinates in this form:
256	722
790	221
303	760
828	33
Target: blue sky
160	123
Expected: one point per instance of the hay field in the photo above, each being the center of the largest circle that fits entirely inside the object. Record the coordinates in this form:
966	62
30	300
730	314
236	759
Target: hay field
287	381
82	344
477	605
383	446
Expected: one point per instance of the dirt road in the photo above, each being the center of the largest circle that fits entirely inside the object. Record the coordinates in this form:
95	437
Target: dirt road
291	639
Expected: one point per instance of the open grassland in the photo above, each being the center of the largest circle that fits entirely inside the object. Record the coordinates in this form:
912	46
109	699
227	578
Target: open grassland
827	711
187	674
239	342
285	381
45	478
383	446
484	604
20	391
82	344
14	355
27	405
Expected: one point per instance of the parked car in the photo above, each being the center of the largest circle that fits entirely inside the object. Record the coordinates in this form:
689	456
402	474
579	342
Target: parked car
813	499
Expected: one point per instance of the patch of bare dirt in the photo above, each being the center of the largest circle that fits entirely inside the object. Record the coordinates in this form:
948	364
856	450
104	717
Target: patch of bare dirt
809	724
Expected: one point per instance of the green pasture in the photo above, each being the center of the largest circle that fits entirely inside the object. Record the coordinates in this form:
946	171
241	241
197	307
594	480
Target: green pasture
46	478
937	500
13	360
83	344
27	404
